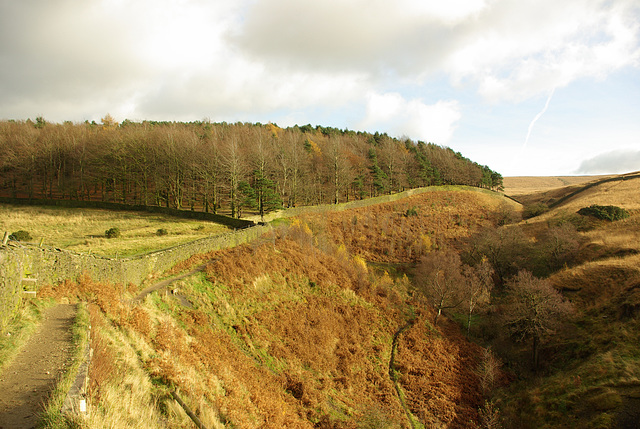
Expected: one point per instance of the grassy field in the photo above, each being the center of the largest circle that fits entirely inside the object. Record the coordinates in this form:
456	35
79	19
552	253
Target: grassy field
519	185
623	193
551	190
83	230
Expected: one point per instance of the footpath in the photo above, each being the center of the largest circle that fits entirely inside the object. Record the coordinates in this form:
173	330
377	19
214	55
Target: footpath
28	380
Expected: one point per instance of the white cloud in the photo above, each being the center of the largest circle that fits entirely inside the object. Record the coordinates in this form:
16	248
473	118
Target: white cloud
392	113
517	50
290	59
613	162
450	11
508	49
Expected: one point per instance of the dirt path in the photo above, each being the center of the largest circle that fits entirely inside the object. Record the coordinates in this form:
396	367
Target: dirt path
165	283
392	368
30	378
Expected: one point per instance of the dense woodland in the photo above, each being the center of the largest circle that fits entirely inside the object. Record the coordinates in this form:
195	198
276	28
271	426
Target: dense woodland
219	167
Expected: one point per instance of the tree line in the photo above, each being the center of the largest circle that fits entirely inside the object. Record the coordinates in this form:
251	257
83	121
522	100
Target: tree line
219	167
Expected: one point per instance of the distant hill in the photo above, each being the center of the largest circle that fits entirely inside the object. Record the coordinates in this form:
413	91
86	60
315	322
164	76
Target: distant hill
519	185
620	190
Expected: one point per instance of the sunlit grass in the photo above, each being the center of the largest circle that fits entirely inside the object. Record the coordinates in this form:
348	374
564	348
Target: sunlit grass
83	230
623	234
52	418
130	393
20	329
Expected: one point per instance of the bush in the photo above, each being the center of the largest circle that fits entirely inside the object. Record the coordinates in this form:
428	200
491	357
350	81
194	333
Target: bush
581	223
411	212
534	210
112	233
610	213
20	236
506	215
160	232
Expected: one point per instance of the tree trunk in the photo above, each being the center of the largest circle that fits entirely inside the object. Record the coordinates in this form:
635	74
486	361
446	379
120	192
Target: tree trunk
435	320
535	352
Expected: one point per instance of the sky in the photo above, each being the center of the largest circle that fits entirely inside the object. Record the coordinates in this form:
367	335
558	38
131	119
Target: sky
527	87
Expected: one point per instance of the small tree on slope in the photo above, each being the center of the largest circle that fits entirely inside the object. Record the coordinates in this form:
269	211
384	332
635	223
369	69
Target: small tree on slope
440	280
476	290
533	310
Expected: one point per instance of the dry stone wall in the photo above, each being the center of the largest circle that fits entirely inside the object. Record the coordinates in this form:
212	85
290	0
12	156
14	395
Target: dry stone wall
25	267
11	268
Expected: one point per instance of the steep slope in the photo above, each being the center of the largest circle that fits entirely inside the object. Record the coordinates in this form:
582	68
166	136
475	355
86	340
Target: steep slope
593	368
404	231
290	331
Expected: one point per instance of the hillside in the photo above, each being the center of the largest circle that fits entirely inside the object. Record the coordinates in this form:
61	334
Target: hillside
620	190
325	322
593	369
552	191
404	231
523	185
291	331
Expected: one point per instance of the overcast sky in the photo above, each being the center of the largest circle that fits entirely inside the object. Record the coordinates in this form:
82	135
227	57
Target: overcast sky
527	87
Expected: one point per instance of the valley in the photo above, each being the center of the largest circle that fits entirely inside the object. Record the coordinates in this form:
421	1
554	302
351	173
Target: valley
323	322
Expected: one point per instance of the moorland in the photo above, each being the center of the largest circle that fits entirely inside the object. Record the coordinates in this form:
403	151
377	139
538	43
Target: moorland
455	307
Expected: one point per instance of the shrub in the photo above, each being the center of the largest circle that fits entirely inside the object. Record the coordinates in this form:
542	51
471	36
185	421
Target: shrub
609	213
489	415
411	212
112	233
506	215
160	232
581	223
20	236
534	210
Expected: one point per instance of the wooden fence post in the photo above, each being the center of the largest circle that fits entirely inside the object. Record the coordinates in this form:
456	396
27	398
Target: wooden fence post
186	408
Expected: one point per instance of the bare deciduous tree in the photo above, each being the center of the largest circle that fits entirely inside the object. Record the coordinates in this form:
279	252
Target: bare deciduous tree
488	371
440	280
560	244
476	290
505	248
533	310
